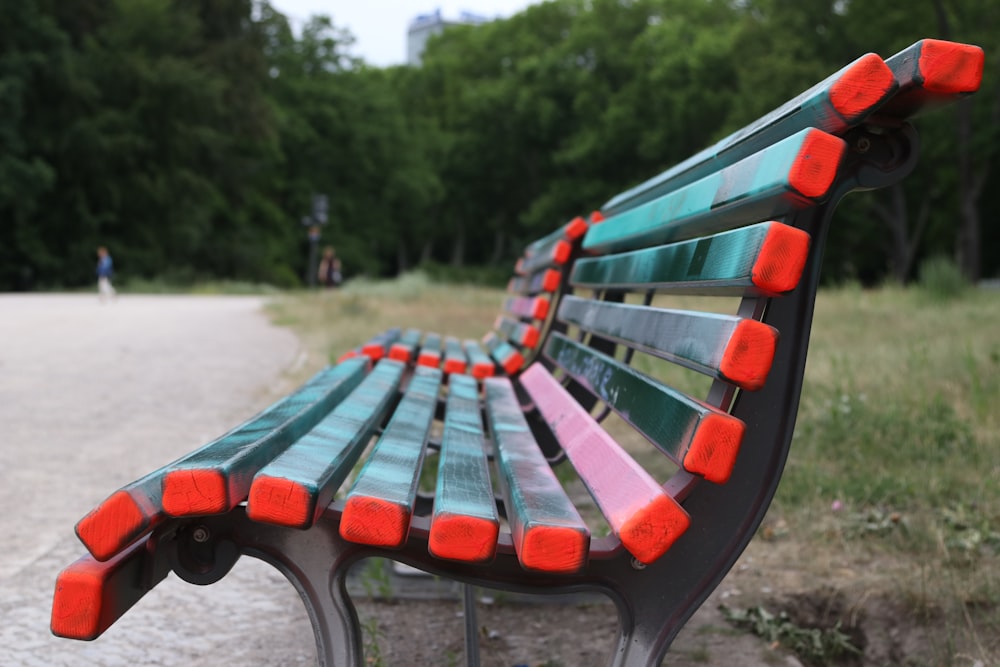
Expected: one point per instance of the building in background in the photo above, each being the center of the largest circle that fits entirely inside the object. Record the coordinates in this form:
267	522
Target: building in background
423	26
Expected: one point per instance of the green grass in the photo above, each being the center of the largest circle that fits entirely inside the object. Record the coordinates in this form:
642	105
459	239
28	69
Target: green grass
896	457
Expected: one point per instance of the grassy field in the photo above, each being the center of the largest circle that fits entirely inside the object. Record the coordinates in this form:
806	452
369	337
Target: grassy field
895	465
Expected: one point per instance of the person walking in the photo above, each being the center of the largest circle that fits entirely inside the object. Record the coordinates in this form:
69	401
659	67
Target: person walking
329	269
105	269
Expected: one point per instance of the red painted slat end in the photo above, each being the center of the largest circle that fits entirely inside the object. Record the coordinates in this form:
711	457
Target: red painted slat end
540	308
429	359
550	280
400	353
189	492
861	87
373	351
374	521
816	165
653	529
575	228
529	337
513	363
483	369
112	525
78	604
781	259
456	366
713	449
561	252
281	501
85	603
749	354
463	538
951	68
554	549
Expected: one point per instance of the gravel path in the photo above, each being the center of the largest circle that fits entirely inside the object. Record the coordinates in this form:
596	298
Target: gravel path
91	397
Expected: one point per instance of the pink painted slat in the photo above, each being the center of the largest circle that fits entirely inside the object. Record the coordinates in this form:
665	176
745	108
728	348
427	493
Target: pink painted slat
643	516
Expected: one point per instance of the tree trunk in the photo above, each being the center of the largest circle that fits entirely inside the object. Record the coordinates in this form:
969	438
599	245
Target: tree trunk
499	244
458	248
903	243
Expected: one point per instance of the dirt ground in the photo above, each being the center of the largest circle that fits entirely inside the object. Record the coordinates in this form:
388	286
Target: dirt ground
92	396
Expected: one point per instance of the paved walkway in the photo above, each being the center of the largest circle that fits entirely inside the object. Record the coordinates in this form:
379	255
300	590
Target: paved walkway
93	396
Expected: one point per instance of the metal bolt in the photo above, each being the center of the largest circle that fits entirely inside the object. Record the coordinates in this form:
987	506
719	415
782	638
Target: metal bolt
200	534
863	145
637	564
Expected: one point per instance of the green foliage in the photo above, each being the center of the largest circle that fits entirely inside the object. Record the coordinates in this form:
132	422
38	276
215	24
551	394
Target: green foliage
817	646
941	279
189	136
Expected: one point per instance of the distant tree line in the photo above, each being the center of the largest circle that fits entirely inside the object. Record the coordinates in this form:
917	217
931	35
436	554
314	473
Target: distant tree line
189	136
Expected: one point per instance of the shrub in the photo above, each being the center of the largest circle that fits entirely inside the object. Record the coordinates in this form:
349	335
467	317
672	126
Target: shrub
941	279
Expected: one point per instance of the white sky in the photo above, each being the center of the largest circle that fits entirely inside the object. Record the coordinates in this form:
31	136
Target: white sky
379	26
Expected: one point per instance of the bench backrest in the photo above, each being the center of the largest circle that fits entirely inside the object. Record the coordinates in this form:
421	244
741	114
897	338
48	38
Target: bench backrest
743	222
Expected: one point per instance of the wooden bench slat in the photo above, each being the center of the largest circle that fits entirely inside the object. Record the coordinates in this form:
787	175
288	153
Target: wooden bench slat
480	364
379	345
766	259
404	348
641	514
778	180
529	308
931	73
547	531
380	503
554	255
91	595
464	525
217	478
546	280
137	508
504	354
455	361
521	333
734	349
295	487
704	440
841	101
430	351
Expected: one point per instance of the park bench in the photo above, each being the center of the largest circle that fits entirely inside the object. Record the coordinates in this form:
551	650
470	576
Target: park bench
578	365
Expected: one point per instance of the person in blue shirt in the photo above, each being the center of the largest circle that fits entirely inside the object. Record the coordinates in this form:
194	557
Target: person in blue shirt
105	269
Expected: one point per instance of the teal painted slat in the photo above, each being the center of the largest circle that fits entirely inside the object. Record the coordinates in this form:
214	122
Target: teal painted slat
404	348
866	83
295	487
135	509
547	530
504	354
722	346
719	265
464	525
667	417
216	478
455	360
480	363
762	186
380	503
520	333
430	351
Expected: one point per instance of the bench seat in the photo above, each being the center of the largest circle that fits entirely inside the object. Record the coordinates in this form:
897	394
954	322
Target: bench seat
590	335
